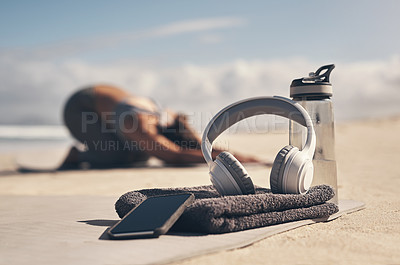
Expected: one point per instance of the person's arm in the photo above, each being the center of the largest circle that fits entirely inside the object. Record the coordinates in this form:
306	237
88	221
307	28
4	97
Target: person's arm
161	147
181	126
150	141
174	154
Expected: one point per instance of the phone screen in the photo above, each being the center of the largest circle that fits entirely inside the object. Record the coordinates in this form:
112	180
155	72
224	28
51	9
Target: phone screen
154	216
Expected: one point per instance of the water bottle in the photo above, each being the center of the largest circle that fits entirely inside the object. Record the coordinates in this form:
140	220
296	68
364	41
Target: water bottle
314	94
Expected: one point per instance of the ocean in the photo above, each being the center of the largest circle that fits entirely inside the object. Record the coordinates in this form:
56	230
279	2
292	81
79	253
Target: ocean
17	138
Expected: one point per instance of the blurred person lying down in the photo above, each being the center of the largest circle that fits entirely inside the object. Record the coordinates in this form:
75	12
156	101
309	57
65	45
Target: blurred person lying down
119	129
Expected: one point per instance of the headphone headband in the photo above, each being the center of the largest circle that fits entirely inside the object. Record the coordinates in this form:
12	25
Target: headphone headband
256	106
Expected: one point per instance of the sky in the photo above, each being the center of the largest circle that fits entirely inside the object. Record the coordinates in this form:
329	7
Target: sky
196	56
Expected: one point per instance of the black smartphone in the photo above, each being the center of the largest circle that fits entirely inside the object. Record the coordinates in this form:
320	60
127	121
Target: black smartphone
151	218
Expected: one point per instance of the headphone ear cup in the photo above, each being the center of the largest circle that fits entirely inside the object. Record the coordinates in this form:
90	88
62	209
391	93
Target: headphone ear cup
237	171
276	176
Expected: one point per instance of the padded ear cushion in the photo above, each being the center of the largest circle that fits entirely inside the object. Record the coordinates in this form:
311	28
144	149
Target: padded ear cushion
278	167
238	172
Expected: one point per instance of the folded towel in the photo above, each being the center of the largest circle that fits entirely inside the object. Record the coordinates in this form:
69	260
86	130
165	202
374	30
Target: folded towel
211	213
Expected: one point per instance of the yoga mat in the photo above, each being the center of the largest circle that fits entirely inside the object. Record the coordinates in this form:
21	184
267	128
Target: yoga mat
72	230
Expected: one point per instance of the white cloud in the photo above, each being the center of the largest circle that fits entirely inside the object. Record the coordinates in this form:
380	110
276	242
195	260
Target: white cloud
35	91
194	26
210	38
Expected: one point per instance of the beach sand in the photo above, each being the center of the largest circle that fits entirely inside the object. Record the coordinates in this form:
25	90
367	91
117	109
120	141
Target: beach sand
368	170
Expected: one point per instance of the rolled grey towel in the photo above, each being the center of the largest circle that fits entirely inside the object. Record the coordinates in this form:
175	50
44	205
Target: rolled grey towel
211	213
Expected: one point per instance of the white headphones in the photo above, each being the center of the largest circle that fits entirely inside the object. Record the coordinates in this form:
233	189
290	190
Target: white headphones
292	171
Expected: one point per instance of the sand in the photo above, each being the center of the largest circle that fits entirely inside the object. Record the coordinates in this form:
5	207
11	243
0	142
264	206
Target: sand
368	170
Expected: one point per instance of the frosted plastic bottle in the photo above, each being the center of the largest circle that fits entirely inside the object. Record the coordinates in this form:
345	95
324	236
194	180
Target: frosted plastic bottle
314	94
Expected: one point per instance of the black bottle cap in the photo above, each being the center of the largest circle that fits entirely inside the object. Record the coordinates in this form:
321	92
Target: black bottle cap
316	84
